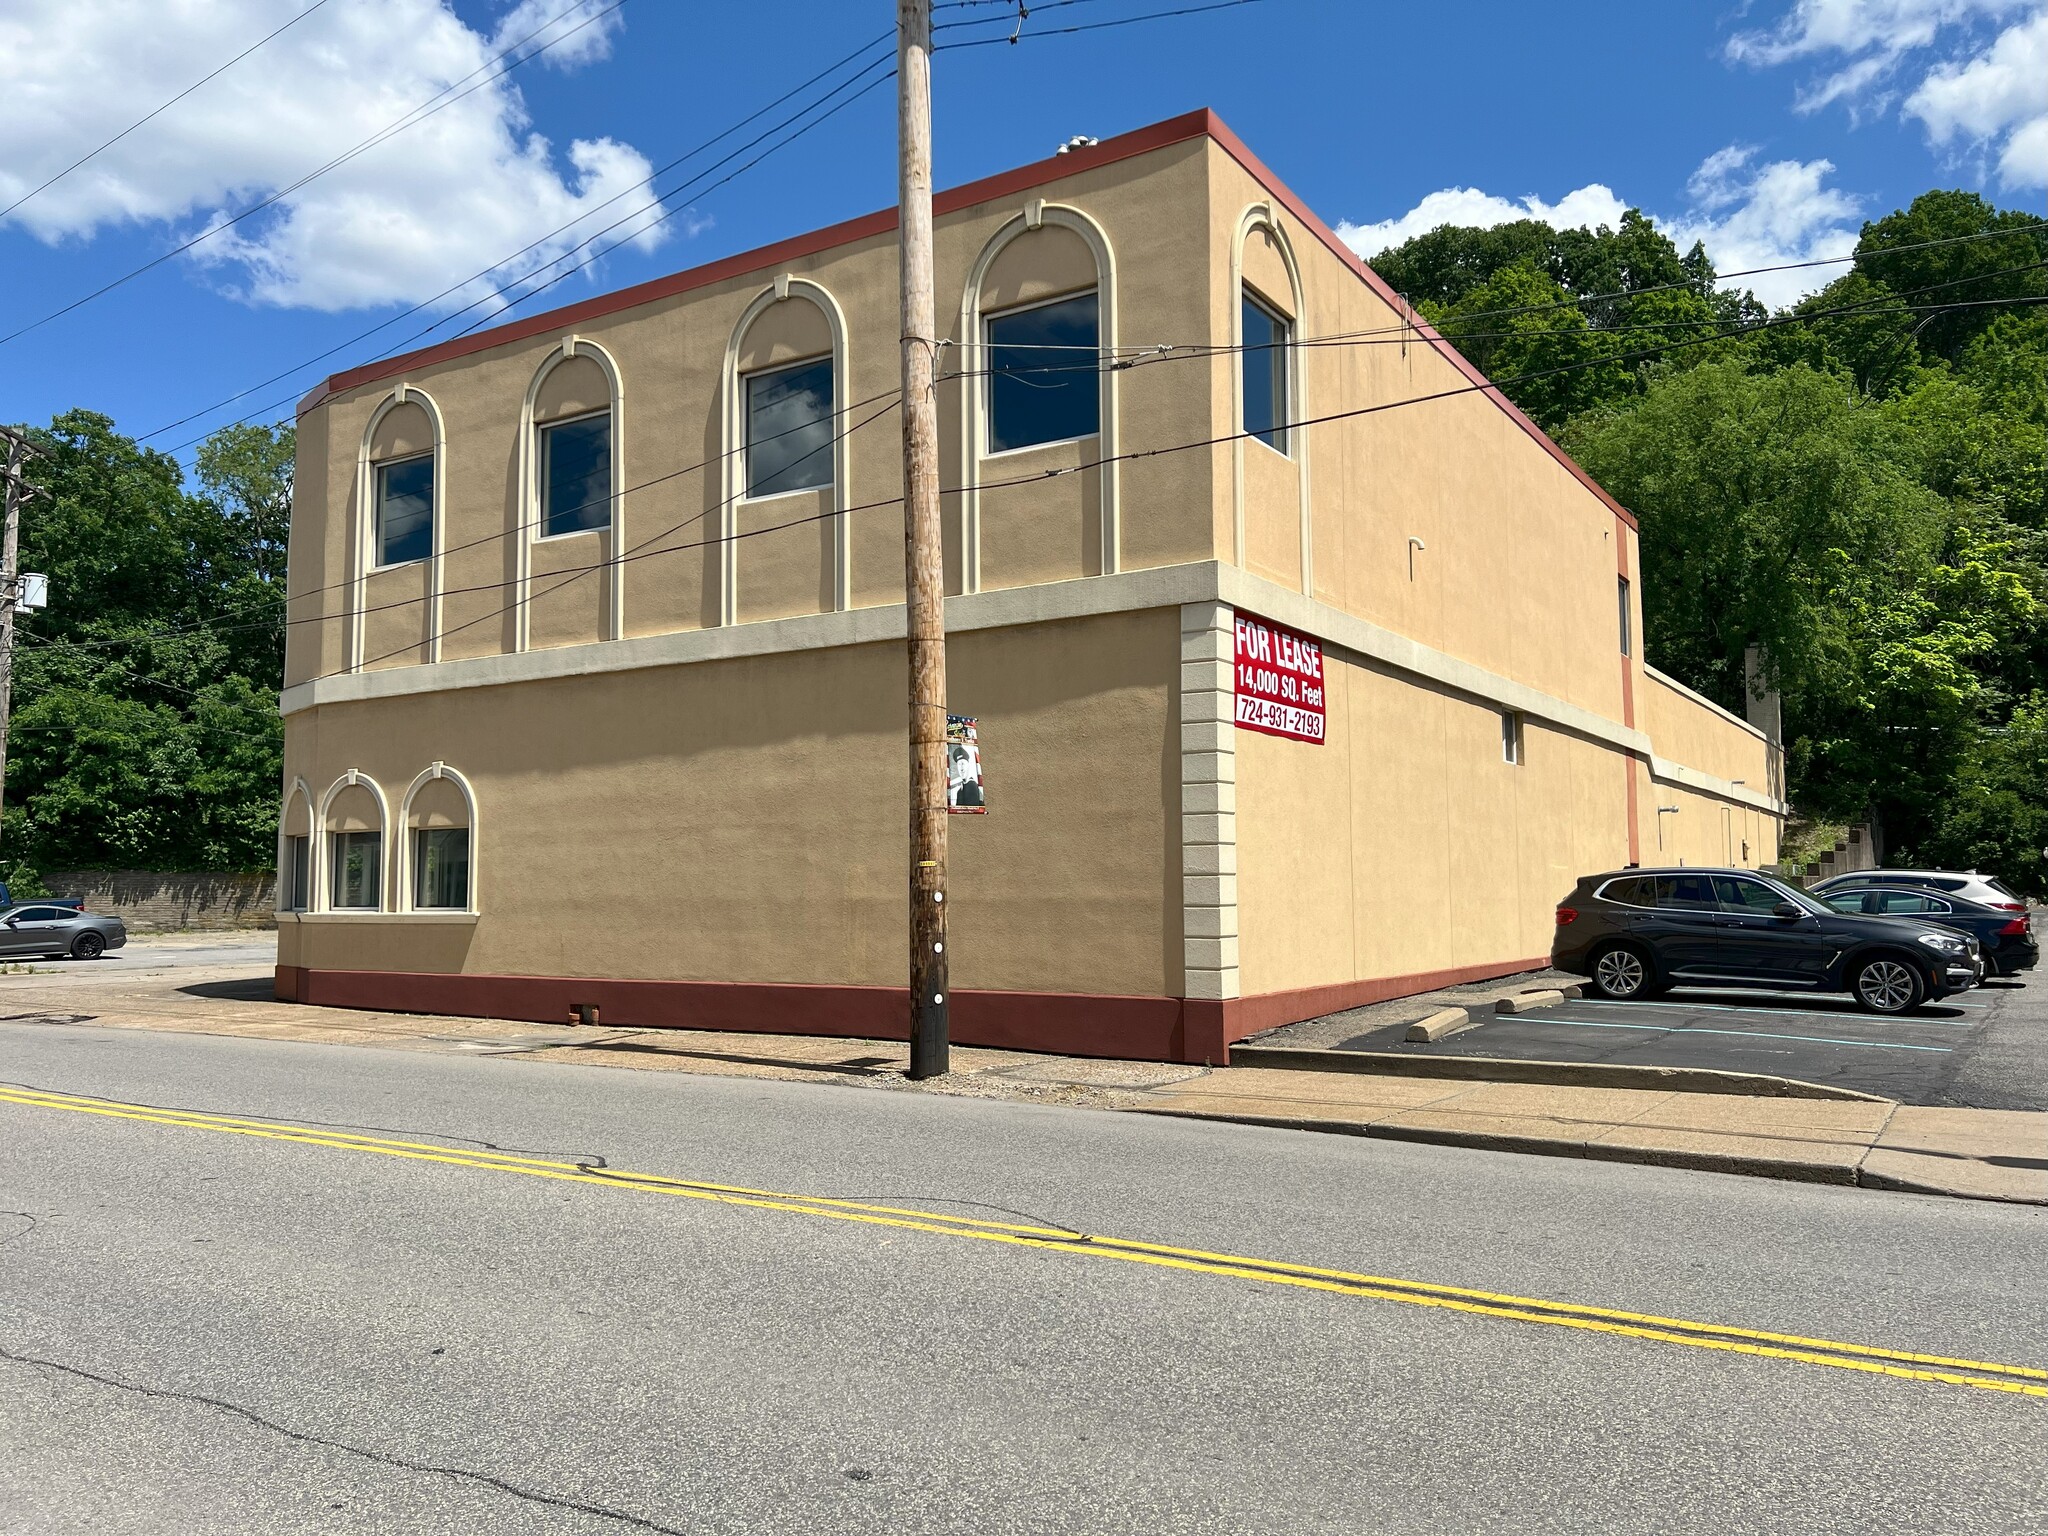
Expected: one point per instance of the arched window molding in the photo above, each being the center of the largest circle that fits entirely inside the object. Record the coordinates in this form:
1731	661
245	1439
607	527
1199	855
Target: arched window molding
1261	216
298	791
974	365
320	898
527	511
733	416
428	775
363	552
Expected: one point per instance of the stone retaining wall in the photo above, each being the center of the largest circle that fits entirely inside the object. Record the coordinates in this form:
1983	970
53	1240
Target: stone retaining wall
154	902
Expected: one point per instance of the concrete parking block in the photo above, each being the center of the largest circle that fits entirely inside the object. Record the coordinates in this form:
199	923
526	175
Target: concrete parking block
1529	1002
1444	1022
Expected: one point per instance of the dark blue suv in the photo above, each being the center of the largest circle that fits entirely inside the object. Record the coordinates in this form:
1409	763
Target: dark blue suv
1635	932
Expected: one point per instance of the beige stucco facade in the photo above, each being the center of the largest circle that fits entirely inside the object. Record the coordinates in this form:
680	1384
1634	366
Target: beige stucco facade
677	739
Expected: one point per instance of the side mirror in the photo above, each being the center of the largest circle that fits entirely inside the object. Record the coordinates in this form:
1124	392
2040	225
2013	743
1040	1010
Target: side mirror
1786	909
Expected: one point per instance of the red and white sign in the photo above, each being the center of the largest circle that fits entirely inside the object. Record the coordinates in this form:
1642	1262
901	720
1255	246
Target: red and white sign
1279	681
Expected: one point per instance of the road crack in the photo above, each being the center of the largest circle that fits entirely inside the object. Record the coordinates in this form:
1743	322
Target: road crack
381	1458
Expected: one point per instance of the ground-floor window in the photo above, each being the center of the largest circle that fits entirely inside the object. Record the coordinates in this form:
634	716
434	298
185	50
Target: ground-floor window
298	873
440	863
357	870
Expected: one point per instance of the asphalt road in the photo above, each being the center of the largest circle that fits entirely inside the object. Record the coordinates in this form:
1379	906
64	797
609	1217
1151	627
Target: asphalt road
1986	1048
157	957
209	1326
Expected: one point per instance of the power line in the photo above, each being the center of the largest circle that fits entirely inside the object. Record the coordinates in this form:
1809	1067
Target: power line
1495	386
146	117
1092	26
536	244
416	116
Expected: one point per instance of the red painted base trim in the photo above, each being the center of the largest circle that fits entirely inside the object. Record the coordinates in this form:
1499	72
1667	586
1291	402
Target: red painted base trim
1063	1023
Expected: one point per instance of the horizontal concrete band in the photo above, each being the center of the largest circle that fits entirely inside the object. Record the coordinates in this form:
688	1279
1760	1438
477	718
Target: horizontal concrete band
1064	1023
1170	586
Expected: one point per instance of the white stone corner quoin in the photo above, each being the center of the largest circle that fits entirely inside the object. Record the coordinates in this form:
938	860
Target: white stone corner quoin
1208	802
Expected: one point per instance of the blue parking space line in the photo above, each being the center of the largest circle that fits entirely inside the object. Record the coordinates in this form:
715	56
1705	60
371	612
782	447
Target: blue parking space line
1746	1034
1849	1011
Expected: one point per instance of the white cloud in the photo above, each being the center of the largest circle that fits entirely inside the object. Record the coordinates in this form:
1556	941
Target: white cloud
448	197
1748	216
1587	208
1987	91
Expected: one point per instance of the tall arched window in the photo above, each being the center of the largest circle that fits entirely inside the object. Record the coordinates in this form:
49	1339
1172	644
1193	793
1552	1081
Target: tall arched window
1037	318
401	477
352	818
1270	383
785	382
437	870
572	455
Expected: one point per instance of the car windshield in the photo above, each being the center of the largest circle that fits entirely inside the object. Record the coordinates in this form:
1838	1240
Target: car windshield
1799	898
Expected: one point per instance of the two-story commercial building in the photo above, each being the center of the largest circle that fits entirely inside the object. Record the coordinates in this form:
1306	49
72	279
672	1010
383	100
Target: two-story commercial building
1306	670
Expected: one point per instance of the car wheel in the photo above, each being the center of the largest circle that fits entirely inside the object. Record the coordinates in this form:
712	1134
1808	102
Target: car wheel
1622	973
1887	985
88	946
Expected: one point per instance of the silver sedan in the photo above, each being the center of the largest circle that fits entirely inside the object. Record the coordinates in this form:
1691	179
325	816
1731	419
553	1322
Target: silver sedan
53	932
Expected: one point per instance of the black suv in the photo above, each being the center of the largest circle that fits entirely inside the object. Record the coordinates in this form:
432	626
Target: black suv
1634	932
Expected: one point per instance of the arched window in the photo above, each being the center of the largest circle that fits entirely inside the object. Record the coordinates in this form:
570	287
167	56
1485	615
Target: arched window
295	851
438	855
1271	384
401	478
571	469
1038	318
785	380
353	820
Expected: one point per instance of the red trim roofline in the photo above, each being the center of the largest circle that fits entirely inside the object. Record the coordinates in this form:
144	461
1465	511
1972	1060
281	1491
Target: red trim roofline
1140	141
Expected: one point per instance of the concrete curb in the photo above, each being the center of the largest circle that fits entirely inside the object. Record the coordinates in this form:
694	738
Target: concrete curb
1529	1002
1789	1169
1564	1074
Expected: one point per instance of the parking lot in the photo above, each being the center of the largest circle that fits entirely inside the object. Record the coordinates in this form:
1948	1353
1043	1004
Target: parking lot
1986	1048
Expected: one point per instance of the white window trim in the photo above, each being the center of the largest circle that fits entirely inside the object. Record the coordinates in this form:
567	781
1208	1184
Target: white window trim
1247	294
746	446
284	834
526	505
363	543
988	380
405	905
377	468
320	895
732	394
974	363
540	429
1263	216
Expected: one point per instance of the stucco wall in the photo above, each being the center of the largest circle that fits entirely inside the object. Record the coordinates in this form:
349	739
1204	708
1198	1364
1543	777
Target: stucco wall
1406	843
742	820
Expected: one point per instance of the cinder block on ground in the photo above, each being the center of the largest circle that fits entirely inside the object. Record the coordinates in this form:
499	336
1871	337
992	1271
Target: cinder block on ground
1525	1002
1445	1021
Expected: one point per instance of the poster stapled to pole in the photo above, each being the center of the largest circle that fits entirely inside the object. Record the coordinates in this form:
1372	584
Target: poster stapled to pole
963	767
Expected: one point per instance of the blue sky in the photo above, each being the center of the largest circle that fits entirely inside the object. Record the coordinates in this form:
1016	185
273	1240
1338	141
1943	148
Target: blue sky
1770	129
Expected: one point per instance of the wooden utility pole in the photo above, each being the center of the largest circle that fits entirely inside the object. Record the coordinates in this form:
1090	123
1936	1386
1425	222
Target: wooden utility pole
18	453
923	555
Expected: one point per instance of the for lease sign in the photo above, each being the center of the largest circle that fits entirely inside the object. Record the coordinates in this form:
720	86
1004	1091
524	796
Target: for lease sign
1279	681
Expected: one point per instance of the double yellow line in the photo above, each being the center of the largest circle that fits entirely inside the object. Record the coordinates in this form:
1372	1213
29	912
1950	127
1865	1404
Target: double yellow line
2026	1381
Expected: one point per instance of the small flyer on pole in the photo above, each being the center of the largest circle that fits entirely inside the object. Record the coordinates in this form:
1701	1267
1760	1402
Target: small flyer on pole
963	767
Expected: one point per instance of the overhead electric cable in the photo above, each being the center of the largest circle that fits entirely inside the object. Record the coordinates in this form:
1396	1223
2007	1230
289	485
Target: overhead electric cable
479	276
416	116
37	191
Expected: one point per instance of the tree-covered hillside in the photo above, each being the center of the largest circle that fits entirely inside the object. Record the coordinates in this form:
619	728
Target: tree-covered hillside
145	731
1856	485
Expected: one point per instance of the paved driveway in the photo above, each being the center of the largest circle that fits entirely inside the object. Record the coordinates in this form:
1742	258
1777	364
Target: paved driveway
1987	1048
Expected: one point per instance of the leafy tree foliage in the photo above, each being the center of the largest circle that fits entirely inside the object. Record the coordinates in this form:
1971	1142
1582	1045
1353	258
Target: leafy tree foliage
1858	485
145	729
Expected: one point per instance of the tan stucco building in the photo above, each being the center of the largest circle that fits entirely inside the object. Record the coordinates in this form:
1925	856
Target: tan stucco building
595	681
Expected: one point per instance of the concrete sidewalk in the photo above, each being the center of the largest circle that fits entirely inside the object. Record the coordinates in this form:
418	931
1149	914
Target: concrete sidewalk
1981	1154
1972	1153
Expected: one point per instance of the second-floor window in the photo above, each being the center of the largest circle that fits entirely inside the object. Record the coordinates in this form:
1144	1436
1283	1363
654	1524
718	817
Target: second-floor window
789	428
1045	366
576	475
1627	618
1264	364
405	510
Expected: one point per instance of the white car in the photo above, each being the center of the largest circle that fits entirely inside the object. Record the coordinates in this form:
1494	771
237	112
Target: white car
1968	884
